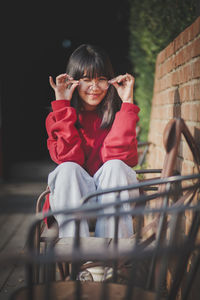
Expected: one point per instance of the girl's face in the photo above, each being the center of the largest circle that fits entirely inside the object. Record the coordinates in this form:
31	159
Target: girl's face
92	91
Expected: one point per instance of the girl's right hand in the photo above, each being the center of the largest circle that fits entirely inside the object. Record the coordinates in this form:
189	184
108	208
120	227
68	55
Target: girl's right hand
64	86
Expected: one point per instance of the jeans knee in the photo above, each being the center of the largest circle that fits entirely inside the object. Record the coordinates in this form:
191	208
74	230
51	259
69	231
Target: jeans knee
115	165
69	166
64	172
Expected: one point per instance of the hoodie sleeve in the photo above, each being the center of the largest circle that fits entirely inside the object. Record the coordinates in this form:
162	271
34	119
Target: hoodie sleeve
64	142
121	142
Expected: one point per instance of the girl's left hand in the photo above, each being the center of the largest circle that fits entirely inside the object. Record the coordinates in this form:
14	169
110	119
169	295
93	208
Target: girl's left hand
124	85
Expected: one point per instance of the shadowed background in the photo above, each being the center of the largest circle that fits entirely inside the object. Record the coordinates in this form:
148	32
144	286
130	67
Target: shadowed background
37	39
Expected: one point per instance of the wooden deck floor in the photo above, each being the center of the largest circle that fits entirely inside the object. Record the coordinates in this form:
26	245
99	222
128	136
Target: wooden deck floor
17	205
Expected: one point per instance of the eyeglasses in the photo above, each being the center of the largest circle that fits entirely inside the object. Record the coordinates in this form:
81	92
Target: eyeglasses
86	83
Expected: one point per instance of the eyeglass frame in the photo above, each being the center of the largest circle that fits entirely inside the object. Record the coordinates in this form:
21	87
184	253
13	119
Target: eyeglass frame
92	83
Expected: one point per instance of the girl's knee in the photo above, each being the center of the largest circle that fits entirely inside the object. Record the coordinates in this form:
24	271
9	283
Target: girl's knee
116	166
69	167
115	173
63	173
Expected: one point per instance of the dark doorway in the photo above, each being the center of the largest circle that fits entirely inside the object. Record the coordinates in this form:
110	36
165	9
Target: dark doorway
37	40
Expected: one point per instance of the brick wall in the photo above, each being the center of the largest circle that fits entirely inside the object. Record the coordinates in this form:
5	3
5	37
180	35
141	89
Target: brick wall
176	94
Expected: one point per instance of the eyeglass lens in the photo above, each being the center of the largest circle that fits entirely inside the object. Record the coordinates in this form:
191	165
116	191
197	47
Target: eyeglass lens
101	83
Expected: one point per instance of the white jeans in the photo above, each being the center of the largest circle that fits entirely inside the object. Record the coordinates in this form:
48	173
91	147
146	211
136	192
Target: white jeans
69	182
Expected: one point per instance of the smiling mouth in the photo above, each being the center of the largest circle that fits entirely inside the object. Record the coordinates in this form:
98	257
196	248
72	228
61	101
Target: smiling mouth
92	94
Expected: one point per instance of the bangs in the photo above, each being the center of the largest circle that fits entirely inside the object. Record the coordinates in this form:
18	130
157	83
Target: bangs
93	67
87	61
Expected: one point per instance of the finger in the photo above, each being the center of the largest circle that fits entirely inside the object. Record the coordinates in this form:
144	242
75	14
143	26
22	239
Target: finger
52	84
124	79
116	79
73	87
130	77
115	84
61	78
69	77
69	83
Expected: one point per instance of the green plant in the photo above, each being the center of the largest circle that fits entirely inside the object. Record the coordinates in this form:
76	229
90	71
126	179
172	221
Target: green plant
153	24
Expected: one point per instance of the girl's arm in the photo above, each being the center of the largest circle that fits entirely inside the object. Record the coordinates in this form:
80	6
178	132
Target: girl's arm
64	142
121	142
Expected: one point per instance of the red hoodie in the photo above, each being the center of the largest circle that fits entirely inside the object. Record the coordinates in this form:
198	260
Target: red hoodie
90	146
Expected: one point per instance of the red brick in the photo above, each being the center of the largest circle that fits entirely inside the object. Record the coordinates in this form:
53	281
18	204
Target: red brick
189	111
166	97
167	66
181	76
185	111
180	57
184	93
170	49
156	85
187	168
171	96
197	91
195	28
198	112
169	80
161	71
169	112
185	74
187	154
195	48
158	71
186	35
155	112
178	42
193	112
187	52
175	78
196	68
161	57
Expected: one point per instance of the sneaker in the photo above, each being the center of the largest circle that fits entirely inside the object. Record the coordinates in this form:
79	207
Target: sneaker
108	274
98	273
85	276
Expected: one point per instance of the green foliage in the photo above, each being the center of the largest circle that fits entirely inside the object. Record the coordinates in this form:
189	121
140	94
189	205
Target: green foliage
153	24
138	167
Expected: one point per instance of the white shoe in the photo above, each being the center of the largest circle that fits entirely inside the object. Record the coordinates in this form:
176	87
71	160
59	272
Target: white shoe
98	273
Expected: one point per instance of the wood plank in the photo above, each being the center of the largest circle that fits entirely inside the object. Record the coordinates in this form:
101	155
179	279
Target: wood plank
9	229
92	245
89	244
123	245
89	290
3	219
12	276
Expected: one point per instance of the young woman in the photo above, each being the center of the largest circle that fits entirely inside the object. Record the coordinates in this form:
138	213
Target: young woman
92	137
